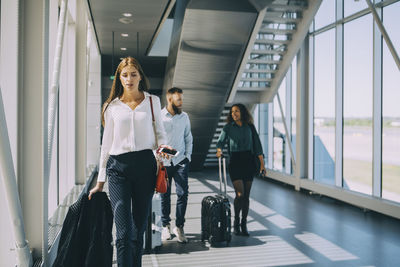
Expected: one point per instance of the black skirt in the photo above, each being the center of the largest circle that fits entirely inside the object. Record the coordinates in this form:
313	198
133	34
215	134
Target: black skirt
241	166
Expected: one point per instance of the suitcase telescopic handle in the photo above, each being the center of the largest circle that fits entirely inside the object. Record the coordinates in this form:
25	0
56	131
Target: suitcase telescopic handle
222	170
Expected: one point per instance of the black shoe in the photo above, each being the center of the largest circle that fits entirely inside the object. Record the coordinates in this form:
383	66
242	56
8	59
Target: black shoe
243	226
236	226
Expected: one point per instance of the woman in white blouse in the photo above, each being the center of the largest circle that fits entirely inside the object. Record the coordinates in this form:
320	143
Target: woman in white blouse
127	158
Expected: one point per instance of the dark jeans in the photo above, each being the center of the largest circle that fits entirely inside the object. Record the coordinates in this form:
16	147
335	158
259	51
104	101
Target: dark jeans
131	182
179	173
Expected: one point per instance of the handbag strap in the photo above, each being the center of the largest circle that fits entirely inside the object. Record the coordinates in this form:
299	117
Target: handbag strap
153	120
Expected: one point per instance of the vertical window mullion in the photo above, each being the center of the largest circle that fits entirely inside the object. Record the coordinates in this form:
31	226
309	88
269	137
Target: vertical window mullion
339	96
311	108
288	118
270	135
377	110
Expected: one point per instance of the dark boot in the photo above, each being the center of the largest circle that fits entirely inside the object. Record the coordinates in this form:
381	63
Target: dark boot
243	226
236	226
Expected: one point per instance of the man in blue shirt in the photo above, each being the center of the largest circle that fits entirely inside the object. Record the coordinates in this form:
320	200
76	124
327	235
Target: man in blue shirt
177	126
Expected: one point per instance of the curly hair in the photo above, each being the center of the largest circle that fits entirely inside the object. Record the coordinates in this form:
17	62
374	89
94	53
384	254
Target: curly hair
245	115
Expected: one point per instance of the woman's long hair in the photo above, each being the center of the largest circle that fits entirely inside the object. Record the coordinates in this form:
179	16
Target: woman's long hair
117	89
245	115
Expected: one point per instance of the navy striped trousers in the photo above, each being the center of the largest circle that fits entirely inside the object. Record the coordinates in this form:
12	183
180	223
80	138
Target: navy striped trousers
131	179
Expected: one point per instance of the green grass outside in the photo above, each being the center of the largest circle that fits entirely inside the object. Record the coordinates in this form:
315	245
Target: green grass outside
361	172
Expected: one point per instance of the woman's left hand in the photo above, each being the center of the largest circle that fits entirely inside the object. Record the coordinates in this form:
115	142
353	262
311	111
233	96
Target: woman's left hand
262	165
98	188
263	171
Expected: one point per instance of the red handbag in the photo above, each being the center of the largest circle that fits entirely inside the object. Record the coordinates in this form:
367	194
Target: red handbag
162	179
162	176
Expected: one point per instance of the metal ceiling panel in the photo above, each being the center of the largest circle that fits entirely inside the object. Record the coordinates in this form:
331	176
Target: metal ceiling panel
146	16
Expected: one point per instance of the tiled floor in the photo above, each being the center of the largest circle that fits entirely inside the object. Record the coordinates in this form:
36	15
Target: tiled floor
287	228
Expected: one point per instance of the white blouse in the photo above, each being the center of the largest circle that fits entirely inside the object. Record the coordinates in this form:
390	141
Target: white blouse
127	130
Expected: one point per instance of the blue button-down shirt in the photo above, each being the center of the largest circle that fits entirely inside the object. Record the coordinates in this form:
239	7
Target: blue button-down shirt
179	135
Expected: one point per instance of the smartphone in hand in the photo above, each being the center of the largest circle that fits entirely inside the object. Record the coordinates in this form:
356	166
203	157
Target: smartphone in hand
171	152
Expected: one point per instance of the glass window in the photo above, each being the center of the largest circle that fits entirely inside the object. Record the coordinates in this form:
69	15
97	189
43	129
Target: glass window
279	137
325	14
324	108
351	6
357	105
390	109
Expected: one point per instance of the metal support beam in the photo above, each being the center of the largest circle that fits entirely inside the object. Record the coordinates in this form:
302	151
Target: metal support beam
45	125
13	231
311	107
270	130
302	112
32	130
384	33
286	131
288	108
81	92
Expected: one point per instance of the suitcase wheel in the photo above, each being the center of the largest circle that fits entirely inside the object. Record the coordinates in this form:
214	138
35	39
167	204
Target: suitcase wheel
228	237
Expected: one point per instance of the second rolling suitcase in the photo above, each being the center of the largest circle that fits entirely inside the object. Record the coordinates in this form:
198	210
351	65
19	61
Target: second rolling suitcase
216	214
152	237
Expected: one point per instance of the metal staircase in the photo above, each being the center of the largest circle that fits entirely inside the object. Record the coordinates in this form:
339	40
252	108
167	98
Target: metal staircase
211	159
277	37
278	34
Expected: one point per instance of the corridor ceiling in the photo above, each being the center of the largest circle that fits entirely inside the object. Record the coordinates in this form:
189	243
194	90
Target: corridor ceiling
145	17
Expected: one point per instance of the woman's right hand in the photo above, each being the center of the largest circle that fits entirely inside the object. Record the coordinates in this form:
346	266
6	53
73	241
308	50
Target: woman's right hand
219	153
97	188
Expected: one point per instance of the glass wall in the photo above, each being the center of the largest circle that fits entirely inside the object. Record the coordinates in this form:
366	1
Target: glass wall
357	105
391	110
342	74
324	107
270	121
352	6
326	14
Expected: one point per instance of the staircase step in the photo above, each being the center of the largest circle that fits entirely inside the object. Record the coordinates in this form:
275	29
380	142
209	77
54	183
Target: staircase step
267	52
293	8
276	31
275	42
252	89
256	80
280	14
274	20
263	61
259	71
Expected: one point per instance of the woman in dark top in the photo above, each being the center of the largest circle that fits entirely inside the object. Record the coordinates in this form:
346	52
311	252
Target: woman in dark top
243	143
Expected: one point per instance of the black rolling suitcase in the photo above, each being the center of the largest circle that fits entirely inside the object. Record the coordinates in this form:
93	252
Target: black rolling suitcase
216	214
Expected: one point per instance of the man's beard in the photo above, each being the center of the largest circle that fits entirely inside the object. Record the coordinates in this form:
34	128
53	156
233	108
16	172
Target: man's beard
176	109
